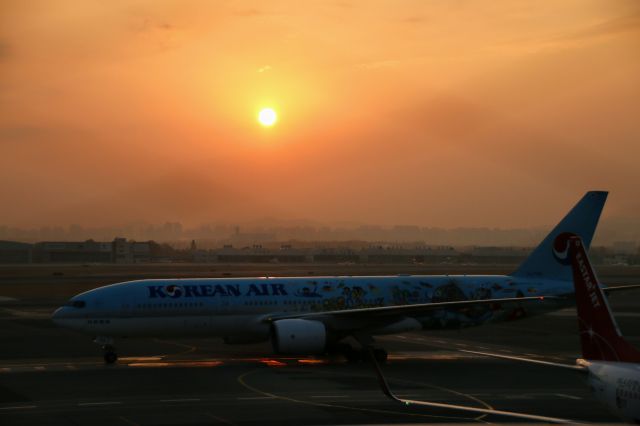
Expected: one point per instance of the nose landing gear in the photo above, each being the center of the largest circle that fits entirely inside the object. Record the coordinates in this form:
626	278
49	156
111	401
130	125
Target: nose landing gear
108	350
110	355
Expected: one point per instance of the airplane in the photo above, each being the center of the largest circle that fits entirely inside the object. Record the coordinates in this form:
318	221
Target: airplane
314	315
611	363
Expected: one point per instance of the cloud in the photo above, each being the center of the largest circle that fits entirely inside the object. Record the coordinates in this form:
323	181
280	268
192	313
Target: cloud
265	68
156	32
148	24
611	27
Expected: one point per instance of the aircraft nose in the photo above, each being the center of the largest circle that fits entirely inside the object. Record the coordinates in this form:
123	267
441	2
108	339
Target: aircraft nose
58	315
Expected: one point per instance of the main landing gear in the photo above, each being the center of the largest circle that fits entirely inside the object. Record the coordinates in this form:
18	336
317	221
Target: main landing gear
354	355
108	350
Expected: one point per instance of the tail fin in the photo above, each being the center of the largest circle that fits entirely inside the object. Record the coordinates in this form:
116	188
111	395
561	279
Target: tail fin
550	259
599	334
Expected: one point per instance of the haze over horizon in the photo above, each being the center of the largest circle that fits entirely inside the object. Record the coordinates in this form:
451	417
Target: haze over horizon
433	113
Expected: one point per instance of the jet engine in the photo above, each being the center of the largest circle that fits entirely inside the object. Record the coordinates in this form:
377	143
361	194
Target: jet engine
298	336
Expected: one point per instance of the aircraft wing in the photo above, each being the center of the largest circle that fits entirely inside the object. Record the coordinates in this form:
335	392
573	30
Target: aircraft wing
407	310
476	410
619	288
529	360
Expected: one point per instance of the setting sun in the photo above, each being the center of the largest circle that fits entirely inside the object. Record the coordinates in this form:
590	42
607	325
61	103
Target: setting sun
267	117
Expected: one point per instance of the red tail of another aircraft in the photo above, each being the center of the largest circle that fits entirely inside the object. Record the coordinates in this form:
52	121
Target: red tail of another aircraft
599	334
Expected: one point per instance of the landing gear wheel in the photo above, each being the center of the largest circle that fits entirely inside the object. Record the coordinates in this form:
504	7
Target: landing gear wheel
110	355
380	355
353	355
377	354
346	350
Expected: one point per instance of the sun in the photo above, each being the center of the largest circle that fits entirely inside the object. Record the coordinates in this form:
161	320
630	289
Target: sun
267	117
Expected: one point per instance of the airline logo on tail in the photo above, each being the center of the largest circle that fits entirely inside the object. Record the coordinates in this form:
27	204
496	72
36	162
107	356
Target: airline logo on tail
560	248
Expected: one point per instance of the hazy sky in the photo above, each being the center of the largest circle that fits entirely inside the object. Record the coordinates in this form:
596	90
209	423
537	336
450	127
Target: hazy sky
431	112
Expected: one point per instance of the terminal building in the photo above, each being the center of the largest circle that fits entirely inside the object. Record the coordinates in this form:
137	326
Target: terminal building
73	252
15	252
118	251
123	251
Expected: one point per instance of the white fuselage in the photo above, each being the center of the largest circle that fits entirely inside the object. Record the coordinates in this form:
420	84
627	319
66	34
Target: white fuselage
235	308
616	385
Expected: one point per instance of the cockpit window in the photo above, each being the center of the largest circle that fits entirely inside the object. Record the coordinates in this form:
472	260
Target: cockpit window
77	303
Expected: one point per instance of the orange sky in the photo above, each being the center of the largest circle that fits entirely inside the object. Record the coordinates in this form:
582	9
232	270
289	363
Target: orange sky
438	113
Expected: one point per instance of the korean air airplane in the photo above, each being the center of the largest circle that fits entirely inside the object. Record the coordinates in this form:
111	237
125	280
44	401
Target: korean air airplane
313	315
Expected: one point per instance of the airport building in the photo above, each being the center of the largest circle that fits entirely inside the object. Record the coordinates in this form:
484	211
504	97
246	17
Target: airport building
118	251
131	251
72	252
15	252
254	254
400	254
288	254
123	251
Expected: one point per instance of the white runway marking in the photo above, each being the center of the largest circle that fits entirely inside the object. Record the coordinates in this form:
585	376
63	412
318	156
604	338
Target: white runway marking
523	396
181	400
329	396
564	395
91	404
19	407
250	398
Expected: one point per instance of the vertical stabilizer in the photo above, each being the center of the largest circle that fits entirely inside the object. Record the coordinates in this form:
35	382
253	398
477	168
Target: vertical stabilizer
600	336
550	259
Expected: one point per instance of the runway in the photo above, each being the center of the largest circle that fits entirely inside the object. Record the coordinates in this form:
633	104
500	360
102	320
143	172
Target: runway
206	382
54	376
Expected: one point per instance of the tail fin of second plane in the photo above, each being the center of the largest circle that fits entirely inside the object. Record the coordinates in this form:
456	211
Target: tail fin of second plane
550	259
600	336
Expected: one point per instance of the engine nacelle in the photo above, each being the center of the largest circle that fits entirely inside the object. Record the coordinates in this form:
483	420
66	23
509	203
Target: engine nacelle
298	336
